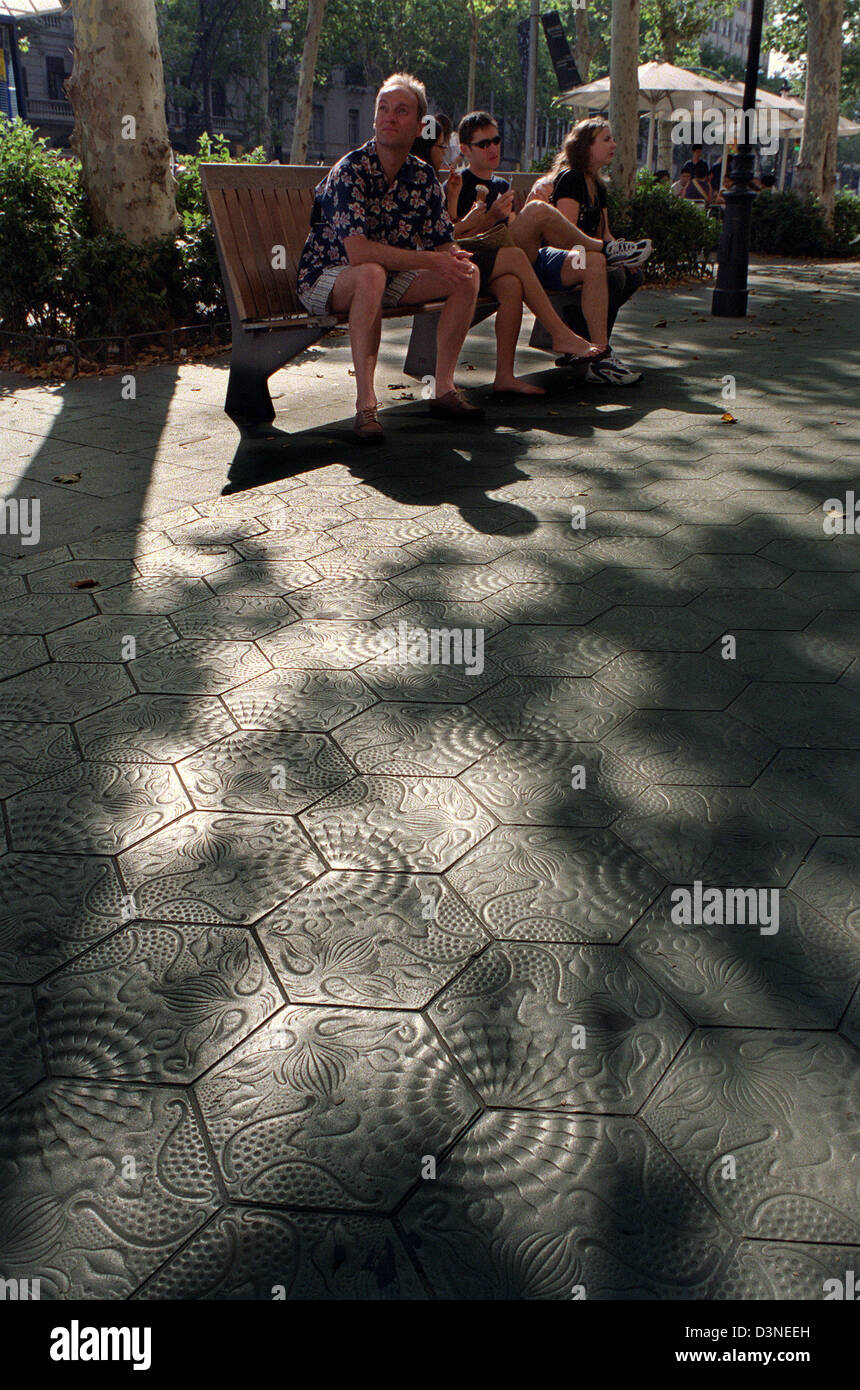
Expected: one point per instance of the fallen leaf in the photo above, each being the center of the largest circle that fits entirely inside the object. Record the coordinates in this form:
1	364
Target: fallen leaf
661	323
84	584
67	478
728	419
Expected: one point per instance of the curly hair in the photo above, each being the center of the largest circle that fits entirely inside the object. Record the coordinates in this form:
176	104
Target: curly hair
577	144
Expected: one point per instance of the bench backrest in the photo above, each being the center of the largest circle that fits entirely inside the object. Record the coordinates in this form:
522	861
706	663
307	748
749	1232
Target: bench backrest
257	208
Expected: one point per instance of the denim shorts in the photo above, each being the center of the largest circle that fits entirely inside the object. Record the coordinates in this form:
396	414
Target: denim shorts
548	265
316	297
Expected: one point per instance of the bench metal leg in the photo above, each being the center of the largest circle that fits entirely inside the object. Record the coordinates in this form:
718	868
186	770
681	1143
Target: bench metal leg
560	301
421	353
254	358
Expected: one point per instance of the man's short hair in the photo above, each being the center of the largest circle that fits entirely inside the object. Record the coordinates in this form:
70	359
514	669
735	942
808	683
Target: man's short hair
768	181
410	84
474	121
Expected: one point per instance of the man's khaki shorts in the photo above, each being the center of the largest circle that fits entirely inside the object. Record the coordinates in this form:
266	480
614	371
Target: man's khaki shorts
317	297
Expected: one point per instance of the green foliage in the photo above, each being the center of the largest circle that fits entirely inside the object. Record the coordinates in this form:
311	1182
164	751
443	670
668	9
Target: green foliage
786	32
681	232
784	224
109	286
846	224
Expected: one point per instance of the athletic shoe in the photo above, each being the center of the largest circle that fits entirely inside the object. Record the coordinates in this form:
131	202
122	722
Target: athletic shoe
612	372
629	253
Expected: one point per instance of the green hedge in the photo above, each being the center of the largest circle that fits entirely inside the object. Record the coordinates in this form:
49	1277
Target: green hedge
682	234
785	225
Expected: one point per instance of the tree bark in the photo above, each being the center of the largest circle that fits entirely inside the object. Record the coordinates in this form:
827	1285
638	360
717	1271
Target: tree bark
473	56
584	50
264	124
816	166
624	91
305	96
118	75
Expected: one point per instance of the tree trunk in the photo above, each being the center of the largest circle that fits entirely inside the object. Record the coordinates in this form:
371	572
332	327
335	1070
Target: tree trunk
117	94
668	54
582	43
305	97
264	124
624	91
816	166
665	148
473	56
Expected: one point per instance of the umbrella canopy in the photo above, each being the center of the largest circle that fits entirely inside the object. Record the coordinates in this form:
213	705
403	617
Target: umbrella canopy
30	9
663	88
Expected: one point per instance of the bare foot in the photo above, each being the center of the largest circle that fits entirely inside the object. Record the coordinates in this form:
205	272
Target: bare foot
572	343
515	383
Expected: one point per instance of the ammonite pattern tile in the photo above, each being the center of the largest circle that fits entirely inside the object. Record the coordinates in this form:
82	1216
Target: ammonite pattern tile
390	823
238	617
363	562
741	571
411	739
201	666
444	613
121	545
331	1108
388	532
850	1025
261	577
188	562
539	784
784	1271
648	587
672	680
99	808
828	553
553	1206
218	868
656	629
29	752
20	1054
540	1026
821	790
148	595
288	543
800	976
100	1185
298	700
784	1105
330	599
51	908
42	613
266	771
531	883
721	835
830	880
106	638
374	939
739	608
313	646
439	681
471	583
542	707
153	728
547	603
690	747
536	566
248	1253
63	691
155	1003
445	547
786	656
60	579
802	716
551	651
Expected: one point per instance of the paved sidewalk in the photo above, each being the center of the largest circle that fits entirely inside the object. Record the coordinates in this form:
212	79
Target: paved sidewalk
350	978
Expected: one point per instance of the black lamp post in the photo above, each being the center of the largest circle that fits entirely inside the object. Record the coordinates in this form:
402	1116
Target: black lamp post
731	293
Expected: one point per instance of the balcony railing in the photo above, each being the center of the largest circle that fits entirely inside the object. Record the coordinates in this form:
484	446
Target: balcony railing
56	111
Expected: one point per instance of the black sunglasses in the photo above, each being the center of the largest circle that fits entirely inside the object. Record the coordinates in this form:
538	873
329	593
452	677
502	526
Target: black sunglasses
484	144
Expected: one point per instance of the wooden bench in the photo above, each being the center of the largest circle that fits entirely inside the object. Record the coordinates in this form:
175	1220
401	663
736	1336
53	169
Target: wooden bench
257	209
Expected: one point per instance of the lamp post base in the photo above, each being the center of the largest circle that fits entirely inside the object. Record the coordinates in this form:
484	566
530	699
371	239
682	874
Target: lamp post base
731	295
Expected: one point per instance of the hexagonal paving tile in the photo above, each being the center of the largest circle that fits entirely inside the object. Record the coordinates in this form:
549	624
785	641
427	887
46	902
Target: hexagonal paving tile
298	700
648	587
786	656
411	739
532	565
801	976
690	747
741	571
551	651
828	553
447	547
188	562
313	646
218	868
672	680
450	583
444	613
121	545
534	783
556	1207
42	613
332	1108
822	790
60	579
263	577
547	603
362	562
155	1003
21	653
783	1271
21	1063
830	880
59	691
29	752
542	707
388	532
264	771
540	1026
100	808
237	617
802	716
101	1184
739	608
781	1104
837	591
201	666
655	629
106	638
153	728
425	680
51	908
375	939
292	542
850	1025
152	595
356	599
391	823
531	883
721	835
250	1253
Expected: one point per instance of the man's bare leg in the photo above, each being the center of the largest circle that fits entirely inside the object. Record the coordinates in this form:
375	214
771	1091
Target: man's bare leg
455	319
541	224
359	289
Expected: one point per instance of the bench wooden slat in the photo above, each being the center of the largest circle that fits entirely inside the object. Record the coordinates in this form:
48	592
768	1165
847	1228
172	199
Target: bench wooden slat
219	202
257	251
280	284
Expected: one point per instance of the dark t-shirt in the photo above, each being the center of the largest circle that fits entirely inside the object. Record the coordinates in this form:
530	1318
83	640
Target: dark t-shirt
494	185
570	183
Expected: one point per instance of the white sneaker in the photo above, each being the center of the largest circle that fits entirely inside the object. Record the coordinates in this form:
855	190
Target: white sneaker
612	372
629	253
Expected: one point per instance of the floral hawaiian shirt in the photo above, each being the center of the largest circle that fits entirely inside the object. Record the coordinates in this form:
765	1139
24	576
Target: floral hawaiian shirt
356	199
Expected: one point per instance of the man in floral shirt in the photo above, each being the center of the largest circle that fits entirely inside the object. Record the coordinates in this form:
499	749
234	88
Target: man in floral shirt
380	236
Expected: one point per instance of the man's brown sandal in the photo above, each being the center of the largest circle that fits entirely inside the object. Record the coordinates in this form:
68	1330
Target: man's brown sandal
367	427
454	406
